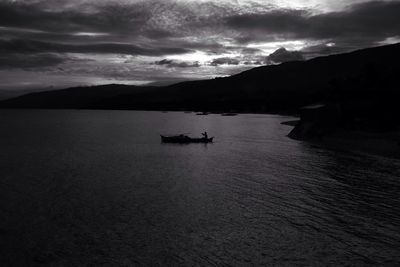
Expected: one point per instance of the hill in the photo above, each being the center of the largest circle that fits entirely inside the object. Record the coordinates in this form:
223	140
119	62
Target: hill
357	78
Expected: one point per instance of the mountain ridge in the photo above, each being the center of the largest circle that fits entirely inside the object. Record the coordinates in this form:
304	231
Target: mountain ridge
282	88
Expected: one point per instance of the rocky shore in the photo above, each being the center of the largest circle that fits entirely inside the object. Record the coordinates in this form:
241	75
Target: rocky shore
322	124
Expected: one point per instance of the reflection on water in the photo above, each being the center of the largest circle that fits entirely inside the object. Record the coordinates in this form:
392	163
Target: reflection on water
98	187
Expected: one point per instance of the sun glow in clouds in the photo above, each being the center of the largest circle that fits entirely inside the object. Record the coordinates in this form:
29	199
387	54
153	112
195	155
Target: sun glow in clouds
391	40
199	56
90	34
314	5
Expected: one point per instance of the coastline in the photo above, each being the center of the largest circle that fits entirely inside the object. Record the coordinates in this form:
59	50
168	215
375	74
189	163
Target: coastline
380	144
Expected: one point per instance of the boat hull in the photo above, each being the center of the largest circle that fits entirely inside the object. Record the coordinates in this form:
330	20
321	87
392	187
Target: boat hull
185	139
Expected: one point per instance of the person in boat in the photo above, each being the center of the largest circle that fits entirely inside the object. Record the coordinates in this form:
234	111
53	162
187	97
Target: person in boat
205	135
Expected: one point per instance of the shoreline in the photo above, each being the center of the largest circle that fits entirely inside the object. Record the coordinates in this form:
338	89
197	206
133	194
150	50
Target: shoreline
378	144
295	115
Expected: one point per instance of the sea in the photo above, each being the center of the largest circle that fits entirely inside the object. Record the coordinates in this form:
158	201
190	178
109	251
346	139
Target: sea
98	188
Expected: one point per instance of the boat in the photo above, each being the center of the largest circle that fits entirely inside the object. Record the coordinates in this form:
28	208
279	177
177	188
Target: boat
202	113
184	139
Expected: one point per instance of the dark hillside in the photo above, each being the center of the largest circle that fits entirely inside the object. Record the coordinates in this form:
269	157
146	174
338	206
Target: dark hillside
364	78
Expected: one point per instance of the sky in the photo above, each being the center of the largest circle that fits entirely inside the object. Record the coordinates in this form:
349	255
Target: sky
62	43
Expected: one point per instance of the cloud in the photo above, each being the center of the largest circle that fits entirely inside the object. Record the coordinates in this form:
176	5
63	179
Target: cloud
39	16
136	25
177	64
363	24
152	19
40	60
224	61
32	46
275	22
251	51
282	55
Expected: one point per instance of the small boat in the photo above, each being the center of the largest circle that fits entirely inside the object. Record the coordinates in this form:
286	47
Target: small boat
202	113
184	139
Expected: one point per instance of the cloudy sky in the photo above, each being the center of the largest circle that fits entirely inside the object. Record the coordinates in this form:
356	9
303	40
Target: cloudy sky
60	43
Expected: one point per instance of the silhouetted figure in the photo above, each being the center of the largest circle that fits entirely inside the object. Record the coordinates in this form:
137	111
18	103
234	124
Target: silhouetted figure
205	135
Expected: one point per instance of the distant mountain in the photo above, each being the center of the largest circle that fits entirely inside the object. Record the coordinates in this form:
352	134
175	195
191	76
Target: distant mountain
9	93
365	76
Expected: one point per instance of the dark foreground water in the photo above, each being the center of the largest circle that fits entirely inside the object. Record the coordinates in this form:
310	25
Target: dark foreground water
97	188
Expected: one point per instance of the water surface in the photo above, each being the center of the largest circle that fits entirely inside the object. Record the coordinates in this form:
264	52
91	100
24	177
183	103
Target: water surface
98	188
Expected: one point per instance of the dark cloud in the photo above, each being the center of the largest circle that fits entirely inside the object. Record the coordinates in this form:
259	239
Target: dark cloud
276	22
254	63
112	17
36	61
372	20
225	61
362	24
282	55
251	51
32	46
210	47
177	64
